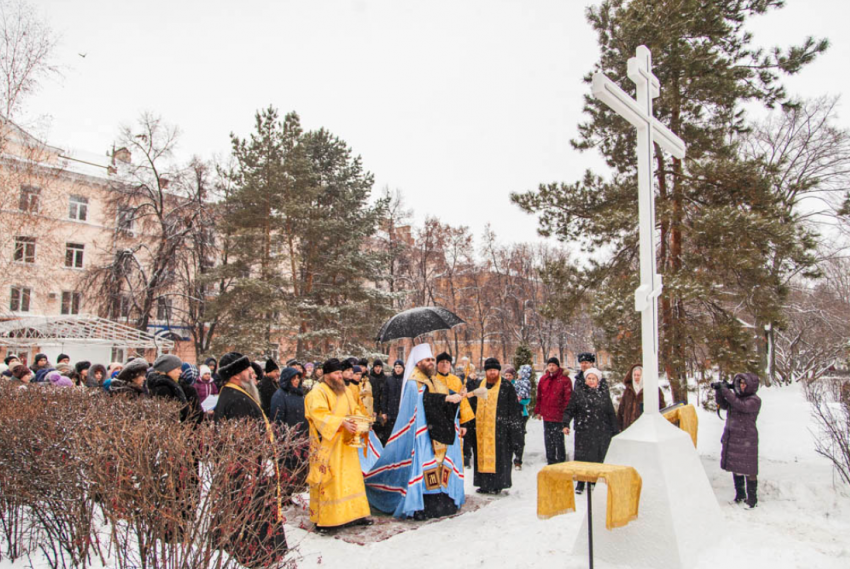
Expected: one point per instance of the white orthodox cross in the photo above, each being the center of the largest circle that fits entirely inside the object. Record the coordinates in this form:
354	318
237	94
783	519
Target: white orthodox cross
649	129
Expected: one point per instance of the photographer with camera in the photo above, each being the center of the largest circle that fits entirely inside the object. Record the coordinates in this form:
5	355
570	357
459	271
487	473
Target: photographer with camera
740	442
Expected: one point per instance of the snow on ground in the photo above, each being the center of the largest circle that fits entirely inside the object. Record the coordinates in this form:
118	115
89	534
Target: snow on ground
803	518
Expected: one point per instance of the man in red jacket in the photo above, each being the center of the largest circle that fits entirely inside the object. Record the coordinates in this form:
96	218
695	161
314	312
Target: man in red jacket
553	396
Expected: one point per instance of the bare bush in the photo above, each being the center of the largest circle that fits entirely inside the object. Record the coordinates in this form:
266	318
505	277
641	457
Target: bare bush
833	419
85	476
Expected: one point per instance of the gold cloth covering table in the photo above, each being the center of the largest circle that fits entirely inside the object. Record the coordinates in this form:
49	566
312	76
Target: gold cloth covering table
686	417
555	494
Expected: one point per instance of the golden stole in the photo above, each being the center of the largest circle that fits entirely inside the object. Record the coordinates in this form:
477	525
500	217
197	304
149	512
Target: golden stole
270	432
485	430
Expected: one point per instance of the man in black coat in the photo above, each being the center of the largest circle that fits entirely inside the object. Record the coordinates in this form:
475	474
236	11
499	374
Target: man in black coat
586	360
391	400
498	431
267	384
378	379
239	399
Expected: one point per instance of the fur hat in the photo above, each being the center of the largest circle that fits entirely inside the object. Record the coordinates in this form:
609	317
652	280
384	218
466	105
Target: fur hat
377	363
345	365
586	357
593	371
232	363
444	357
271	365
98	368
553	360
492	363
331	366
258	370
133	369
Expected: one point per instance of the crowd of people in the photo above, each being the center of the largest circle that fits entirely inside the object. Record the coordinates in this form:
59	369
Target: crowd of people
430	418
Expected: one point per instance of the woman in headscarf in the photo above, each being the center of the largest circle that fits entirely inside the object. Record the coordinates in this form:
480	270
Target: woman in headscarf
631	403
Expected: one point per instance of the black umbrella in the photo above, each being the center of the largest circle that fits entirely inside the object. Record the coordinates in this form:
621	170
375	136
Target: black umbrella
416	322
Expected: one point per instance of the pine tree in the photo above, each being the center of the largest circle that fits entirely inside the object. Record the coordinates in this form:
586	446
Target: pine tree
719	221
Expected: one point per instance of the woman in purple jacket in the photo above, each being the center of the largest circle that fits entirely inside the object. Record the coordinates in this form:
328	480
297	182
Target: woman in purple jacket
740	442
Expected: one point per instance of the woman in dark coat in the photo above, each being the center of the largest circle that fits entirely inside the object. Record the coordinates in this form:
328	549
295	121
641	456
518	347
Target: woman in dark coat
739	453
595	420
130	381
378	379
287	407
631	403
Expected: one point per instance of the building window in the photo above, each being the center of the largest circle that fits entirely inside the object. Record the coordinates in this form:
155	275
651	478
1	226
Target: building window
20	301
399	353
163	309
71	302
118	355
125	219
25	249
29	199
74	255
78	208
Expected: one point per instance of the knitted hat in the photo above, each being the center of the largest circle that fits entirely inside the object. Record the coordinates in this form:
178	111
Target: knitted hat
39	357
492	363
64	369
59	380
63	357
398	363
509	370
377	363
553	360
189	375
357	369
232	363
204	370
271	365
331	366
166	363
586	357
444	357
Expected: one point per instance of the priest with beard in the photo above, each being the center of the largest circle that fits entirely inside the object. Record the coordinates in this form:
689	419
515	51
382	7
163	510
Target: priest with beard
337	494
240	400
420	471
498	430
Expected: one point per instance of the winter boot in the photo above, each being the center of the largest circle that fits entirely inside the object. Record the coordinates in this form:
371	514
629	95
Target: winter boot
752	493
579	487
740	491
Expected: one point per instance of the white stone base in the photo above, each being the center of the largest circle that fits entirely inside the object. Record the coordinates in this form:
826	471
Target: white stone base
678	514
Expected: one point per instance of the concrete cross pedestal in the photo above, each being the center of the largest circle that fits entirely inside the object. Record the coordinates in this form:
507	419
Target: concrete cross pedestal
678	508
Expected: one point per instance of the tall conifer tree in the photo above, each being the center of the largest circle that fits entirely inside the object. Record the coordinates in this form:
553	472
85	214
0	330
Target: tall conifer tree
718	219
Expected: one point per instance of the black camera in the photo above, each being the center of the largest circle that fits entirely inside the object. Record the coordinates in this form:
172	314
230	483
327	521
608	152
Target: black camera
719	384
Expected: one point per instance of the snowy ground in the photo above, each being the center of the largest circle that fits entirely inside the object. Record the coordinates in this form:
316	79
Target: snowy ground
803	518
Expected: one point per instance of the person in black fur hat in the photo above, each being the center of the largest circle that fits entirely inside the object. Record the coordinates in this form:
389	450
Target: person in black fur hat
499	413
587	360
268	385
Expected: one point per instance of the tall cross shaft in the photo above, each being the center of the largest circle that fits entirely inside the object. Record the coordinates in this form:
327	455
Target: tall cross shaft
639	114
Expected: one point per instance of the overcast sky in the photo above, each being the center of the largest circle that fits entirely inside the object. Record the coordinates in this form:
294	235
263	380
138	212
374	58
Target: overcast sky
457	103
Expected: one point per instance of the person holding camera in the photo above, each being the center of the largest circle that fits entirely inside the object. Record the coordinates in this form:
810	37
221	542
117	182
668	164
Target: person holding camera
740	442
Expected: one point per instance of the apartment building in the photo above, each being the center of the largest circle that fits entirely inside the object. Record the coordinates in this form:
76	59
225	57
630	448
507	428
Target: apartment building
57	220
